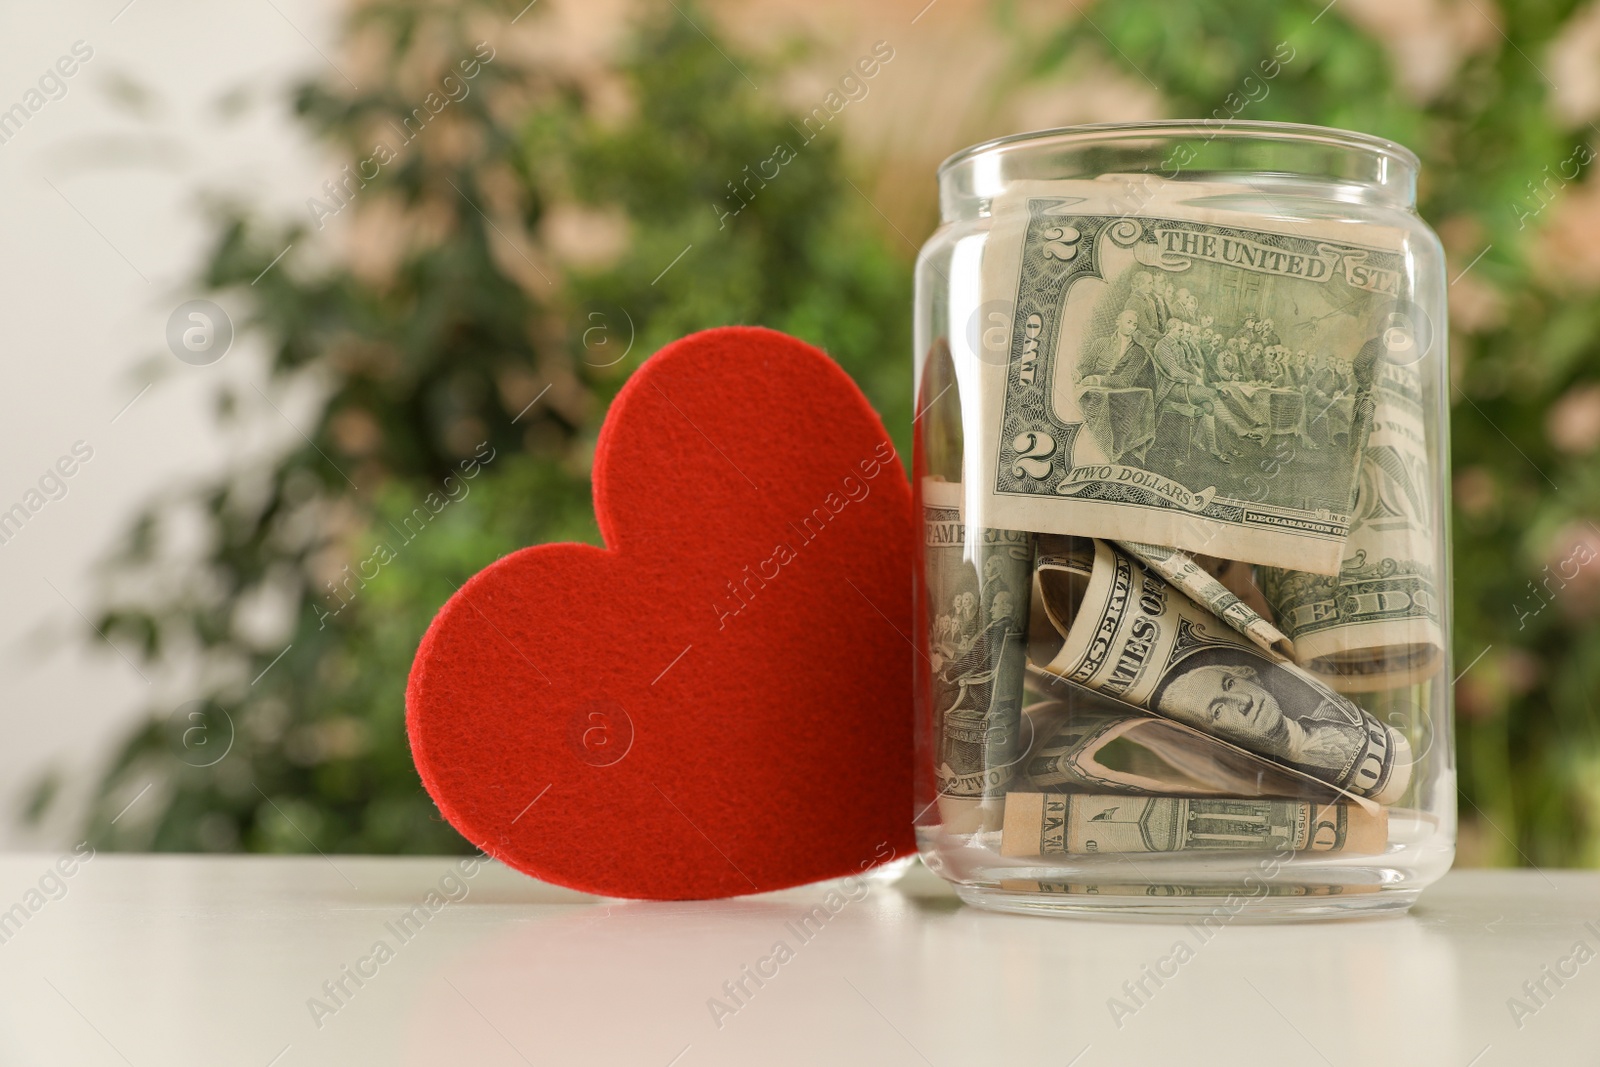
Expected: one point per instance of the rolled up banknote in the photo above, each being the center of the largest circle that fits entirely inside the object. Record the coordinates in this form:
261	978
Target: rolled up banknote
1049	824
1238	578
979	581
1182	571
1129	635
1375	625
1091	744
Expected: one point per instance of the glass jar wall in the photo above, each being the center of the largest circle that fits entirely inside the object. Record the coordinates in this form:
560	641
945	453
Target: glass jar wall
1181	460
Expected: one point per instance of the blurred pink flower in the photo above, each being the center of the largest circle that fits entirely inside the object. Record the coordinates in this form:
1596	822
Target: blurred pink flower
1476	491
1427	39
1574	68
1491	684
1573	422
1568	257
1572	570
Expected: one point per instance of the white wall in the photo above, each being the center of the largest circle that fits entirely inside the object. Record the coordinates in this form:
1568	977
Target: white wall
101	226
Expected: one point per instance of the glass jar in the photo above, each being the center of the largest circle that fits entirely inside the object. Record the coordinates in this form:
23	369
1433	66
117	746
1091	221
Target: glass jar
1181	456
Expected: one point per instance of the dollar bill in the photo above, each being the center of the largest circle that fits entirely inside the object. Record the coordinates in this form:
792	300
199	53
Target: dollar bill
1376	624
1181	570
1157	355
1126	634
1090	744
1239	579
1049	824
978	586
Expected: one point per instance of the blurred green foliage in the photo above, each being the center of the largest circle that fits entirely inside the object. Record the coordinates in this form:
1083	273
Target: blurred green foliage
468	344
473	332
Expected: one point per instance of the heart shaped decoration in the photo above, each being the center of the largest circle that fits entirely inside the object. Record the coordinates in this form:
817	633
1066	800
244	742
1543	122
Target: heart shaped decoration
719	701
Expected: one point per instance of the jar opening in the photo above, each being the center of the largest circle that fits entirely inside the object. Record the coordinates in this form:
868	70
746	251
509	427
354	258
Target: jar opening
1373	167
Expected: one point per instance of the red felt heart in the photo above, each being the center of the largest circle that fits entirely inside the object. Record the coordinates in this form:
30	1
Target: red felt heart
719	702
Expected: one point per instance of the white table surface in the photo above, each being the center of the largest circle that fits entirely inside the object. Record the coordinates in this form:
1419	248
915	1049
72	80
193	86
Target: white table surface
182	960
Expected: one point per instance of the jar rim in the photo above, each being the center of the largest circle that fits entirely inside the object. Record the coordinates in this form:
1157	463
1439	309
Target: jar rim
1244	130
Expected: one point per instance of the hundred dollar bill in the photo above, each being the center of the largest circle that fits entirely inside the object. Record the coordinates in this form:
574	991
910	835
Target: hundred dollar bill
1182	571
1157	354
1049	824
978	586
1125	633
1376	624
1090	744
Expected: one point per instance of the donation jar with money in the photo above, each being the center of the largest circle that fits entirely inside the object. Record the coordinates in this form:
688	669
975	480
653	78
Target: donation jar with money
1182	605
